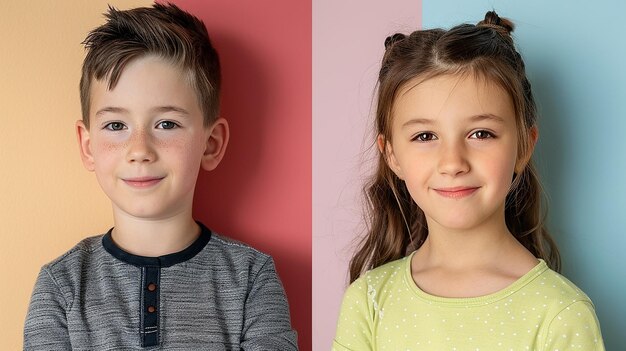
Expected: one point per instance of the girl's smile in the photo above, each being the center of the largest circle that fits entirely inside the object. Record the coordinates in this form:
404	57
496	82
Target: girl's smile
456	192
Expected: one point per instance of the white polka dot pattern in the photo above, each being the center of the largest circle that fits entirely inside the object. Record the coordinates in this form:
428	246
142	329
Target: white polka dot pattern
385	310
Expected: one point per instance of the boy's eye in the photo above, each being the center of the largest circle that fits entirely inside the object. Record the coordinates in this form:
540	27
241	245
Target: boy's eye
424	137
115	126
167	125
482	134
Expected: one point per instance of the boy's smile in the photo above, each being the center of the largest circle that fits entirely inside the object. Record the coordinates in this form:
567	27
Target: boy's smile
455	145
147	141
142	182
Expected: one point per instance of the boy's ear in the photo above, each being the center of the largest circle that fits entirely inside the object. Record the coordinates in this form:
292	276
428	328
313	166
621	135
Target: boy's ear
84	144
386	149
216	144
533	136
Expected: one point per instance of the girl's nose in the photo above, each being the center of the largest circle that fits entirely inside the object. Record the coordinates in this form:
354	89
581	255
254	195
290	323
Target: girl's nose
453	160
140	147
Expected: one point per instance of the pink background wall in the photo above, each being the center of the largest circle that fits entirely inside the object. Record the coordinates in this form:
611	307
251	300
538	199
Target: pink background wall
261	193
348	38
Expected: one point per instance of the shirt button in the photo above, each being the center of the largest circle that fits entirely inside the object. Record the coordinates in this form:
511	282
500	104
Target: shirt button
151	309
152	287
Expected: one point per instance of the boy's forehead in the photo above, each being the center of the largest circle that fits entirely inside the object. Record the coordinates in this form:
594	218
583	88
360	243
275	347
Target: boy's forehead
148	81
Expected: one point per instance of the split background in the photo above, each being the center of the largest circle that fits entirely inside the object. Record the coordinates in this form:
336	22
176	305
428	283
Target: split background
298	88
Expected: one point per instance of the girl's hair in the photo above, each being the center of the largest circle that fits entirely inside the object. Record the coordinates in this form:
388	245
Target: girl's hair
396	225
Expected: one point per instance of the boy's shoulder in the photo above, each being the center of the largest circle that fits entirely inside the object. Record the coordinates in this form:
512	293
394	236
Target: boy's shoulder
230	253
221	252
81	251
229	244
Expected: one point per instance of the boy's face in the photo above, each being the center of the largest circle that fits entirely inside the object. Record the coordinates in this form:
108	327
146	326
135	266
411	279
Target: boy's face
146	140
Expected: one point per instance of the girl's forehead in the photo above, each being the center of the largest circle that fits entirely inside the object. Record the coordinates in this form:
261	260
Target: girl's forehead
446	96
450	80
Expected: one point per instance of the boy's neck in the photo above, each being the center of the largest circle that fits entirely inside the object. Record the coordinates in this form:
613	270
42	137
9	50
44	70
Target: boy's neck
153	238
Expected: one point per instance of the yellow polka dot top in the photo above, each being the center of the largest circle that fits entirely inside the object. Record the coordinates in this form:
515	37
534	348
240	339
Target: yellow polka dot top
385	310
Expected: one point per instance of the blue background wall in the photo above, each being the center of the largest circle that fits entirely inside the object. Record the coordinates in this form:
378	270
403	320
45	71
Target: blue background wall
575	54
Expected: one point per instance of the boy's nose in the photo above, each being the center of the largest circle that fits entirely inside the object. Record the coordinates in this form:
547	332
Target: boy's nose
453	160
140	148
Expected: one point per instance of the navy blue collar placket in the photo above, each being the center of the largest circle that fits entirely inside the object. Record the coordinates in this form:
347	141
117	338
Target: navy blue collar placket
150	281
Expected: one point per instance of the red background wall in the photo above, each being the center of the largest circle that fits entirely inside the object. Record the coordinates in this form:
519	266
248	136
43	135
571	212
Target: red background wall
261	192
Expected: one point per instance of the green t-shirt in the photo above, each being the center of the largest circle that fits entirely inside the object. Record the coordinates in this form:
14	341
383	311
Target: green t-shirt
385	310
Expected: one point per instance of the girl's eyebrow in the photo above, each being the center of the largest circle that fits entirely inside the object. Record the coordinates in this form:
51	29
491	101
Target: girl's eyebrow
475	118
418	121
487	117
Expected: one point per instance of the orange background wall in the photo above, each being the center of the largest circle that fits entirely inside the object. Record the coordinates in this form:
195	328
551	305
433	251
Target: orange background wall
261	194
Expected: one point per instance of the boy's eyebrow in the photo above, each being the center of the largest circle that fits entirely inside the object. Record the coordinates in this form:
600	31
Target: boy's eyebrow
111	109
159	109
475	118
170	108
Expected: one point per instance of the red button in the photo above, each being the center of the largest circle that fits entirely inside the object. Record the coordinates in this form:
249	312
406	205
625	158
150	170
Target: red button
152	287
151	309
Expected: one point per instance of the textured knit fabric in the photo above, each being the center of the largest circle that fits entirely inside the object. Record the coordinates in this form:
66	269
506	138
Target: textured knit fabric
222	295
385	310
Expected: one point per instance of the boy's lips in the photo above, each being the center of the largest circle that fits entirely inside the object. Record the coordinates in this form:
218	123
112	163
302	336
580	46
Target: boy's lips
142	182
456	192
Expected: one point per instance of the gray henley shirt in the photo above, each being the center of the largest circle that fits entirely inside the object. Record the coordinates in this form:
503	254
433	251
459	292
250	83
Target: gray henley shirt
217	294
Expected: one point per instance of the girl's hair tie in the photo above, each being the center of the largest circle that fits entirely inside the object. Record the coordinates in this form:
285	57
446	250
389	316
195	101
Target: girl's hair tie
392	39
493	21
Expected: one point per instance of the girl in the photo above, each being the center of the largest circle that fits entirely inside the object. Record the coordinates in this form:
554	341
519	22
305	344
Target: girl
456	190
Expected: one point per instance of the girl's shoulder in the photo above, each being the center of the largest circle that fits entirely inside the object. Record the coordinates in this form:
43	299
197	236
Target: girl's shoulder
381	278
552	286
387	271
365	297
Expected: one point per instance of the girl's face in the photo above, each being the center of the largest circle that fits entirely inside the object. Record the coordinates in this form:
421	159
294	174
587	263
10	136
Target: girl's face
455	145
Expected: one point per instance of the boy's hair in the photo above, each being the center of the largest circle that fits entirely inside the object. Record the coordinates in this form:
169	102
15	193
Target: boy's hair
164	31
396	224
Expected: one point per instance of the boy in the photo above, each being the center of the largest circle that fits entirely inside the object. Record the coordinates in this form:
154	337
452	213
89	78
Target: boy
158	279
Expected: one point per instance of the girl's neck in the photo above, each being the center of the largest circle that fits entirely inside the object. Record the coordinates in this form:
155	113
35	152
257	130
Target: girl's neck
487	245
153	238
470	262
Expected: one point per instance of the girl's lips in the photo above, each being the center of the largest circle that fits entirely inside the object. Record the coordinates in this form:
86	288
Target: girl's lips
143	182
456	192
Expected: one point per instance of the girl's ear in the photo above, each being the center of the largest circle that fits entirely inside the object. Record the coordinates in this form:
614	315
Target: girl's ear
386	149
216	144
523	161
84	144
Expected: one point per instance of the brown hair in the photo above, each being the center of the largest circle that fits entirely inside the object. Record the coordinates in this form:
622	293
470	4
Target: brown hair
163	30
396	225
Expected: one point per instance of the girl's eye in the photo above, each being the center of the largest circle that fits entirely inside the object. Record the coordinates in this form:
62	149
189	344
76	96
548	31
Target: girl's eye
482	134
167	125
114	126
424	137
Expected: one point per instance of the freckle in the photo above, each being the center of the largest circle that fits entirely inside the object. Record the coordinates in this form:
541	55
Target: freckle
161	143
110	146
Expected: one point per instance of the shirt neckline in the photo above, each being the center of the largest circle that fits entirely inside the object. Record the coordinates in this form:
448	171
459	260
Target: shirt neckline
472	301
161	261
